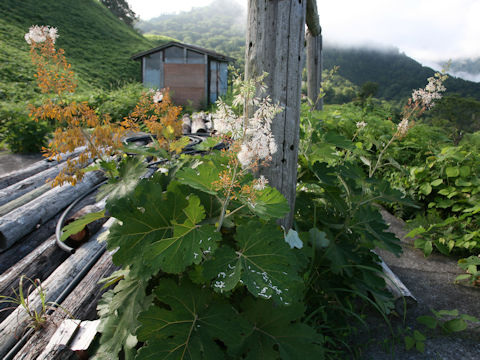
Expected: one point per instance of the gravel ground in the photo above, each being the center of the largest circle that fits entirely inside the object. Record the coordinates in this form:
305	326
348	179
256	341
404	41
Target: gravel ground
11	162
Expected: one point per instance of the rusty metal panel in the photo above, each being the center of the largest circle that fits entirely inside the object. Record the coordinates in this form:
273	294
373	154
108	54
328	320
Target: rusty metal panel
186	83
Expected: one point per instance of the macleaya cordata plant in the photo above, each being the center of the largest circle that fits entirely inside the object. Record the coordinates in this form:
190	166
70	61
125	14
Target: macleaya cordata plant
206	271
420	101
79	125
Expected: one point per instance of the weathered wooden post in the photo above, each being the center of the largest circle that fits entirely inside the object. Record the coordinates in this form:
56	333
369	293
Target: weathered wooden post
314	54
275	43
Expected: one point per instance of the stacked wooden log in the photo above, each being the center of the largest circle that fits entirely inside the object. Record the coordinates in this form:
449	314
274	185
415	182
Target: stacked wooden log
198	123
28	248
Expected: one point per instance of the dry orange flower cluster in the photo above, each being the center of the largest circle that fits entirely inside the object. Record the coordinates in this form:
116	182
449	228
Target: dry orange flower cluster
159	116
79	124
230	179
54	74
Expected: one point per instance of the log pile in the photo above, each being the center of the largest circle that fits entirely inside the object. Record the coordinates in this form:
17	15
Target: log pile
198	123
22	220
29	213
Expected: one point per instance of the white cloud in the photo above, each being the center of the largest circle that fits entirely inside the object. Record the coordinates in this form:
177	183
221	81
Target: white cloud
148	9
426	30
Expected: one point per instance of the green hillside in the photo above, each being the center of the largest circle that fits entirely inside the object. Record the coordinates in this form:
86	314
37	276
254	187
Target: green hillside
96	43
395	73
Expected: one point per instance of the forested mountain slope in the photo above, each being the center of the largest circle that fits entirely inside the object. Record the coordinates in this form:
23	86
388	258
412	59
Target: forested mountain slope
221	26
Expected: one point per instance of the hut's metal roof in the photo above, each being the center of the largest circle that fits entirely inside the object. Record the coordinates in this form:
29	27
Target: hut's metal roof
210	53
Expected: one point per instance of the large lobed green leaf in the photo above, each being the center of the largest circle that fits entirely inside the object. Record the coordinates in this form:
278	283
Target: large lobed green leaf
190	324
160	228
277	333
263	262
189	243
118	310
130	171
201	177
269	203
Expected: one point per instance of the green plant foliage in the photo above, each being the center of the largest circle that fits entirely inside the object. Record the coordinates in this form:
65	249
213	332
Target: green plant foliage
122	180
189	323
202	177
24	135
269	203
189	241
262	261
448	183
471	266
118	310
79	224
277	331
100	52
196	279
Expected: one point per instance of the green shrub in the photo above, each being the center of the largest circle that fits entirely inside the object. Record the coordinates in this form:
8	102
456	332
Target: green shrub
118	102
24	135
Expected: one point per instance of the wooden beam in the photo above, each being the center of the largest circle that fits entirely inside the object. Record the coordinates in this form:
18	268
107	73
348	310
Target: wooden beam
43	260
28	243
314	69
16	176
26	185
275	44
312	18
24	199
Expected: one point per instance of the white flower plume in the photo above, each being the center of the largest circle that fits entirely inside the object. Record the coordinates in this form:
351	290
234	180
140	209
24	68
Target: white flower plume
431	92
39	34
157	97
256	134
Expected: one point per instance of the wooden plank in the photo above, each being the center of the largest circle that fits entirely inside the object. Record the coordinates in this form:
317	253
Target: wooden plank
19	222
59	340
274	44
80	304
53	287
85	335
314	69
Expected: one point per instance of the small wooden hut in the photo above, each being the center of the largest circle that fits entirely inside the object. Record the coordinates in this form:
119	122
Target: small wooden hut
195	76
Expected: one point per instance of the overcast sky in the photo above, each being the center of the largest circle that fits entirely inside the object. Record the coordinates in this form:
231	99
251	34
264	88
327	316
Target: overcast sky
426	30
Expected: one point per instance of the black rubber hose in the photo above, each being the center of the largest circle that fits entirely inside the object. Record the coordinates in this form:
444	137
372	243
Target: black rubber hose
58	229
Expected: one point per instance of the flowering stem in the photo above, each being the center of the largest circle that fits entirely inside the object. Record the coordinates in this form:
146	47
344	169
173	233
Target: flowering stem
234	211
372	171
227	199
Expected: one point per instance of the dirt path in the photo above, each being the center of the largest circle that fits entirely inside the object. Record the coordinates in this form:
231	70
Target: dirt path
11	162
431	281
